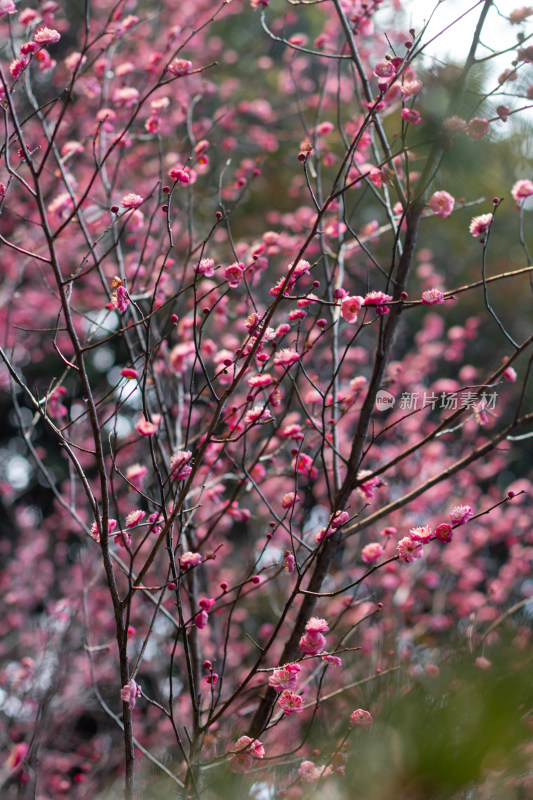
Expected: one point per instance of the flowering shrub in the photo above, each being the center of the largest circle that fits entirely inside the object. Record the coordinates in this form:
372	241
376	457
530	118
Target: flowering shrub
257	481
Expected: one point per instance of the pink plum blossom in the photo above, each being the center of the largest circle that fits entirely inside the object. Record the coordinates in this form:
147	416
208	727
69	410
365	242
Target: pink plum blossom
132	200
421	534
521	190
411	116
179	466
205	266
129	693
257	414
18	66
120	298
372	552
245	750
135	475
201	619
444	532
289	499
7	7
290	702
286	357
74	61
46	36
19	751
234	274
190	559
477	128
379	300
339	518
453	126
26	16
332	661
411	88
461	514
134	517
520	14
384	69
510	375
125	96
361	718
289	562
111	525
284	677
480	225
316	625
441	203
312	643
179	66
350	306
303	464
367	487
181	175
409	550
432	297
130	373
146	428
310	773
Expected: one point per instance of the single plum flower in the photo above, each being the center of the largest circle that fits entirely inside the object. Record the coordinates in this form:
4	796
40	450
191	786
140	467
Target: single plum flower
205	266
129	693
444	532
132	200
234	274
134	517
130	373
290	702
311	644
432	297
480	225
179	66
303	464
411	116
179	465
477	128
289	500
18	66
189	559
372	552
289	562
181	175
286	357
257	414
460	514
421	534
146	428
350	307
441	203
285	678
521	190
46	36
409	550
361	718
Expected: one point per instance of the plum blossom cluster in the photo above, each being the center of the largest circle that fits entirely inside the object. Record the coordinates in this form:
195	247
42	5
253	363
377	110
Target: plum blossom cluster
313	640
245	751
204	466
410	548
